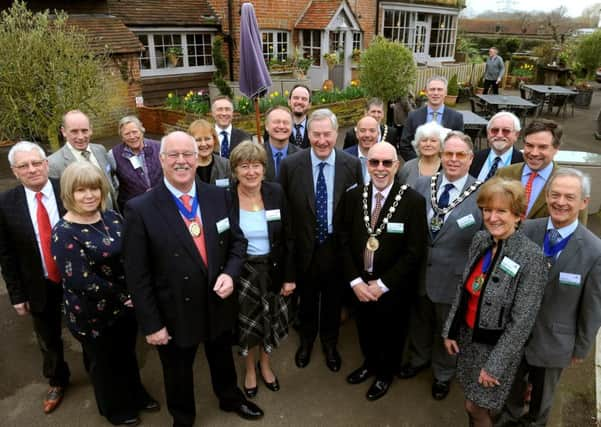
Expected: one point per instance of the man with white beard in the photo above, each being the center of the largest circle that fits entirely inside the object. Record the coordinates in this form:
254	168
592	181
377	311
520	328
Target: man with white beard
502	131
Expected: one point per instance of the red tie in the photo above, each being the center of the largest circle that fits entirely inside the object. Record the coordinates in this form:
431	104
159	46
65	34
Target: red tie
45	230
528	189
199	240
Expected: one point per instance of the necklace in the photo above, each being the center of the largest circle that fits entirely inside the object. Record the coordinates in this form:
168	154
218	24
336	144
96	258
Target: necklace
107	239
420	163
372	242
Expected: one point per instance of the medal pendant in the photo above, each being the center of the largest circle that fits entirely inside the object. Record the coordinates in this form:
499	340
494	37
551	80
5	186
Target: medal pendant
435	223
372	244
194	229
478	282
107	241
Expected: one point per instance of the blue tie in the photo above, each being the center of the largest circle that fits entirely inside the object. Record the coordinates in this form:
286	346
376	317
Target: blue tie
278	158
443	202
225	146
321	205
493	168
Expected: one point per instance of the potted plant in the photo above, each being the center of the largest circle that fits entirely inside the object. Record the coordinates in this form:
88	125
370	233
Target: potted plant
452	92
356	56
480	88
173	55
332	59
585	94
301	64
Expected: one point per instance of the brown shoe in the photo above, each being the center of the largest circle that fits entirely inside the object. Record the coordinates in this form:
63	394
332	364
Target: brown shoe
53	399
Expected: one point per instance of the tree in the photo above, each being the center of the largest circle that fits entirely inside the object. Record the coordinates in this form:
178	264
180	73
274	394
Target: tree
46	69
590	14
587	53
387	69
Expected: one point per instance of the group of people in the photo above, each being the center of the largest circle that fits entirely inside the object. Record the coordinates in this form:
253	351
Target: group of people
475	264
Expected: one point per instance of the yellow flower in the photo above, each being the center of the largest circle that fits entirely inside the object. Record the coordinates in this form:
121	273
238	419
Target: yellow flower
286	93
170	95
271	95
276	93
323	100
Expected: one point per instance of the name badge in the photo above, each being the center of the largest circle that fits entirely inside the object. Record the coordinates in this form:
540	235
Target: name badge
466	221
509	266
135	162
272	215
569	279
223	182
223	225
395	227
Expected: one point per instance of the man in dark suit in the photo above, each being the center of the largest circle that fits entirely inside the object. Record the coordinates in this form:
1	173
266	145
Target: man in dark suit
454	217
383	275
367	134
436	90
569	317
314	181
27	214
374	108
503	130
278	125
182	252
222	110
299	102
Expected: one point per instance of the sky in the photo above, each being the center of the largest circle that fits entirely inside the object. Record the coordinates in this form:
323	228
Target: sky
575	7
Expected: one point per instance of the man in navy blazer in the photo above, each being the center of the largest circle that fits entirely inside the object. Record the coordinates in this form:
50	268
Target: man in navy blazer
503	131
314	181
31	288
278	126
367	135
180	264
436	90
222	110
569	317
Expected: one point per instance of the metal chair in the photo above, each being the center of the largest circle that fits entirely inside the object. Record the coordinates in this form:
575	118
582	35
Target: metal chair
479	107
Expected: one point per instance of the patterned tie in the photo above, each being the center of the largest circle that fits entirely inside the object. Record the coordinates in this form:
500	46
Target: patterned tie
321	205
278	158
45	232
554	238
86	155
493	168
435	116
528	189
368	256
225	146
199	240
298	136
443	202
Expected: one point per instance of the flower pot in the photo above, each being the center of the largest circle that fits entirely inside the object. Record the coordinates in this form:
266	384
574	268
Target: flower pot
479	91
450	100
173	60
583	98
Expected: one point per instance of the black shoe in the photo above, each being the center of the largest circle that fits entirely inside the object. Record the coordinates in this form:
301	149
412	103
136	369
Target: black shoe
273	386
407	371
333	360
151	406
251	392
303	355
359	375
378	389
440	389
246	410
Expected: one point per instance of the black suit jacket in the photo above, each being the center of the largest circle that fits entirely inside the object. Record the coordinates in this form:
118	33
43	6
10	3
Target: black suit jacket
20	255
281	242
292	139
238	135
270	170
170	285
451	119
392	136
296	177
397	260
481	156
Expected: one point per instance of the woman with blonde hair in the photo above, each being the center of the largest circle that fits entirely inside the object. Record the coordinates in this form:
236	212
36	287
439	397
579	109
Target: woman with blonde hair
211	167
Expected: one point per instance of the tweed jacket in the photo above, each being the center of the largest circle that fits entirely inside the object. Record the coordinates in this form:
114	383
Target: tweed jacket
507	309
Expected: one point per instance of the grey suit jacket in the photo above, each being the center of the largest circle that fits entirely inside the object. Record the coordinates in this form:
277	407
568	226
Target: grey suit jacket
570	314
220	169
448	251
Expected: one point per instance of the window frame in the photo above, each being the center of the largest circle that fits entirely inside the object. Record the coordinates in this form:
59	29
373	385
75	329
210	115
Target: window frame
277	44
312	46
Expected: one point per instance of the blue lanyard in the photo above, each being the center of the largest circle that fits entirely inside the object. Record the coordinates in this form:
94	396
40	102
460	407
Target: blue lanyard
551	251
190	215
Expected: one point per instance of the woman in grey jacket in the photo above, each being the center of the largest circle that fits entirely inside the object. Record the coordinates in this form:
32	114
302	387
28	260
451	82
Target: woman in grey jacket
496	305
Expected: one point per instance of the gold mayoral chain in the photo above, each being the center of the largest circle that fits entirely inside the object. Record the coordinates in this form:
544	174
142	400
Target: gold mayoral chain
372	242
194	229
439	213
385	133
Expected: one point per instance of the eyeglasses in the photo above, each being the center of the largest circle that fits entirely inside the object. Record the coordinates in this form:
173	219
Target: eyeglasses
174	155
504	131
24	166
375	162
459	155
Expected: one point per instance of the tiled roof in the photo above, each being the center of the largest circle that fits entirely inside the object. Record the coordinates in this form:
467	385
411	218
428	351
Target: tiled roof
107	32
318	15
163	13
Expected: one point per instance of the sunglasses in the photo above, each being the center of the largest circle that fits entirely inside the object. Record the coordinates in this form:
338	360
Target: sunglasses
504	131
459	155
375	162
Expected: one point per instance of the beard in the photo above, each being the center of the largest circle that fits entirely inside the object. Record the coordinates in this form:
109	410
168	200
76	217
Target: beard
499	145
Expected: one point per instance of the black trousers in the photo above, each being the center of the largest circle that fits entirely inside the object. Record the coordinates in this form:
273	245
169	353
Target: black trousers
179	377
491	84
113	369
48	327
320	291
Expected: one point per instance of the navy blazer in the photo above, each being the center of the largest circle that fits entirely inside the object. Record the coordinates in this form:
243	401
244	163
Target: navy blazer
392	136
169	283
270	170
292	140
481	156
238	135
20	255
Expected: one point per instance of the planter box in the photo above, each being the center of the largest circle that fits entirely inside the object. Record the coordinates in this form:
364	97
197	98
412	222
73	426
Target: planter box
583	98
280	83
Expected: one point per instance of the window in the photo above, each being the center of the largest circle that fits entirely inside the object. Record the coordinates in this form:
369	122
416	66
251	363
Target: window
176	53
357	37
442	36
311	45
275	45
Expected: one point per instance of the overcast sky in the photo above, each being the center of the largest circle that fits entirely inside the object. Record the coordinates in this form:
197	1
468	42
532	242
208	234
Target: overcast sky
575	7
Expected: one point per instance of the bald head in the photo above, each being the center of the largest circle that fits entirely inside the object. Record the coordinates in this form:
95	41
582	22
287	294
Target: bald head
382	164
367	133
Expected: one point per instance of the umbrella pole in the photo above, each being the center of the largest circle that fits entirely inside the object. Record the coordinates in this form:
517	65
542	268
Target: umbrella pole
258	119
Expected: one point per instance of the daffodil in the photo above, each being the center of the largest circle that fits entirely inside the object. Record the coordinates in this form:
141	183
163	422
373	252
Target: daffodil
170	95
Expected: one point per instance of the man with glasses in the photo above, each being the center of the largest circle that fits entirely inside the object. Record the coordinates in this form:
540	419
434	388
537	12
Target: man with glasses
27	214
382	241
453	217
182	252
503	130
222	110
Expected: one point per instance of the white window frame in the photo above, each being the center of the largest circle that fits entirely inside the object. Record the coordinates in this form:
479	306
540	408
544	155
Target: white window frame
277	45
313	45
183	33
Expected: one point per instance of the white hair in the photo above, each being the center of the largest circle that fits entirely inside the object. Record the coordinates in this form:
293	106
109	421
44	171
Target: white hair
516	122
24	146
585	180
175	133
429	130
323	114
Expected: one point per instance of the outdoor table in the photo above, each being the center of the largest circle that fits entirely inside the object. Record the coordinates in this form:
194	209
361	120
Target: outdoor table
474	126
554	96
516	104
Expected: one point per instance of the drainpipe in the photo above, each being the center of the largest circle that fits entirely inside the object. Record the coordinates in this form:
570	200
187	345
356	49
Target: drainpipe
377	17
229	40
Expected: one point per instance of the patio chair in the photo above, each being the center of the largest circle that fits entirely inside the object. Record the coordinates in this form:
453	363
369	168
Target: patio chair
569	102
558	101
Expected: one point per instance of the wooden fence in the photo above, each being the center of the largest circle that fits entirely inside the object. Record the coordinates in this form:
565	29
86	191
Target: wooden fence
465	73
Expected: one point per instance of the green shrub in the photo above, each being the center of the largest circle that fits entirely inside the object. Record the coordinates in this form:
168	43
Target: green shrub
453	87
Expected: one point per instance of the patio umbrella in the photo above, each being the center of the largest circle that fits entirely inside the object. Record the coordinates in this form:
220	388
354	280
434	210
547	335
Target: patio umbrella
254	76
